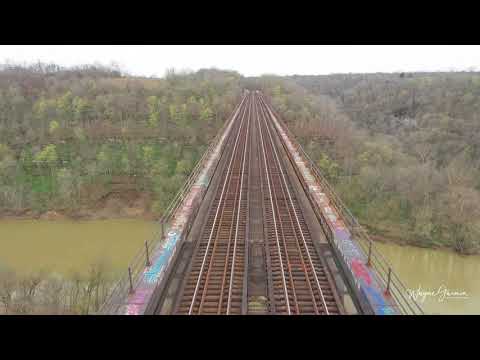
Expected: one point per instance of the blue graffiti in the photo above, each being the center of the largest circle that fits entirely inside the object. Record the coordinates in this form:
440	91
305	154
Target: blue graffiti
153	274
382	307
349	252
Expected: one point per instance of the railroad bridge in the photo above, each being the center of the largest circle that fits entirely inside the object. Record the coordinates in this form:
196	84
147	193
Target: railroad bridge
257	229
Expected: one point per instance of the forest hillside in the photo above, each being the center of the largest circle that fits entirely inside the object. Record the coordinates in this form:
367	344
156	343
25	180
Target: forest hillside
75	141
402	150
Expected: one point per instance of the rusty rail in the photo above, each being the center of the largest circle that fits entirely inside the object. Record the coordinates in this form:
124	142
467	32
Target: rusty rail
375	260
217	260
308	282
127	281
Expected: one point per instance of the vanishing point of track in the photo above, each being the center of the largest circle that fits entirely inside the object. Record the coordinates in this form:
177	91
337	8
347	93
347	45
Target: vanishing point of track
255	199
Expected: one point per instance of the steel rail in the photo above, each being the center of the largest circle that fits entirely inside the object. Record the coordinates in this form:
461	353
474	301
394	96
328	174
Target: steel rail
120	289
227	178
221	205
216	241
184	302
358	232
296	218
297	244
284	237
276	197
227	253
238	213
273	216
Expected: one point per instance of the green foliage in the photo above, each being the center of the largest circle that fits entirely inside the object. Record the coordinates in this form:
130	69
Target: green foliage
40	109
154	111
79	133
206	114
148	156
183	167
403	153
47	156
66	132
53	126
81	109
65	106
329	168
5	152
376	155
66	186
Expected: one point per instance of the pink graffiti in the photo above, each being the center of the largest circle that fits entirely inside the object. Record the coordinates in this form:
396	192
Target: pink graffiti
138	297
360	271
133	309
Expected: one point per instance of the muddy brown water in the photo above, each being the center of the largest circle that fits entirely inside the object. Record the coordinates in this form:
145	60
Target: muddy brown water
64	247
443	281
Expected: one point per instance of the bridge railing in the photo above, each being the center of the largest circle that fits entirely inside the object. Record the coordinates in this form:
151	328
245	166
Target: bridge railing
375	260
128	280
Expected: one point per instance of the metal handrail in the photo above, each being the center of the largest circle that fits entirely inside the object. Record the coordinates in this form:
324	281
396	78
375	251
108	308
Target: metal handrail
393	285
139	261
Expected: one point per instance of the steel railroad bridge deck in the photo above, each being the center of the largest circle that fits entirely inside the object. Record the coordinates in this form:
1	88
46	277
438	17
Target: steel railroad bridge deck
256	229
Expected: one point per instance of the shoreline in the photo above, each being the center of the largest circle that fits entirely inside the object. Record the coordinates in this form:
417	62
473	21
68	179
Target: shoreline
76	215
383	239
107	212
126	204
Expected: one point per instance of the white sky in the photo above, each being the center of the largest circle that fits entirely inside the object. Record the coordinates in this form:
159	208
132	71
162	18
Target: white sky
253	60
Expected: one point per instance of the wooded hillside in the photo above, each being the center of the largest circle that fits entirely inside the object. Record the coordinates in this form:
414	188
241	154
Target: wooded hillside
403	150
67	135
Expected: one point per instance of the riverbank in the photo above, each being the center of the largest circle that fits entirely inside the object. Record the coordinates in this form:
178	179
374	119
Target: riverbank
129	204
135	205
395	236
385	239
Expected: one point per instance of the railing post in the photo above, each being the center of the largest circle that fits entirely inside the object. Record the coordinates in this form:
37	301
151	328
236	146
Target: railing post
130	278
387	291
370	254
148	263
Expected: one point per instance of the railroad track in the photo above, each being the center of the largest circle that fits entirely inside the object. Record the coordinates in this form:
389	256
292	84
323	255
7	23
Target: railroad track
300	282
216	277
255	206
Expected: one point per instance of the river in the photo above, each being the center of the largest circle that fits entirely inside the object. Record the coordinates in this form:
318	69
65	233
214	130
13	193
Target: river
437	272
64	247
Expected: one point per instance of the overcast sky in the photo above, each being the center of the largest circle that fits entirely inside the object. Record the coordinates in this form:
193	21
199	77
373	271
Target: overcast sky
253	60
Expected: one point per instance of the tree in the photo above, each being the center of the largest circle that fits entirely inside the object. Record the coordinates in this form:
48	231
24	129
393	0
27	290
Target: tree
125	164
66	186
40	112
81	109
65	108
147	156
153	109
460	210
53	127
206	113
47	156
8	284
104	160
329	168
183	167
